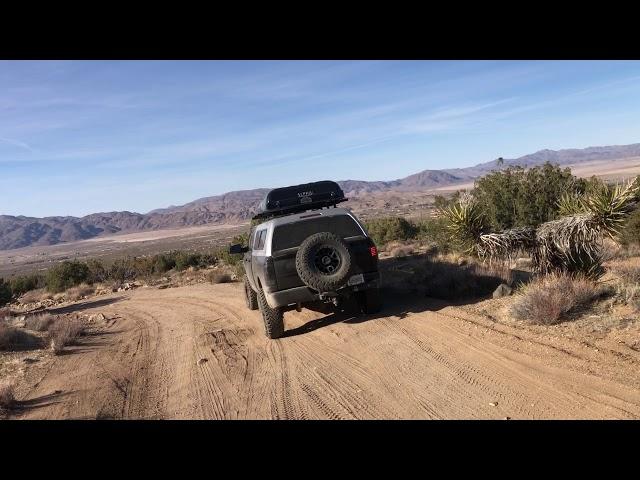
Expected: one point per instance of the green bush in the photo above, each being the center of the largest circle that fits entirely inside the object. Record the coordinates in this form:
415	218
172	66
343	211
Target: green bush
440	201
241	239
435	231
185	260
5	292
525	197
631	233
387	229
97	271
66	275
123	269
163	263
223	255
26	283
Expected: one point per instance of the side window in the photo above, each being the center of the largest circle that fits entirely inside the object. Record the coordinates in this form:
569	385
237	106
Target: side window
259	241
252	236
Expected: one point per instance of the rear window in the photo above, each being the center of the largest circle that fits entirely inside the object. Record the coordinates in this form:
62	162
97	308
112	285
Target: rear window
293	234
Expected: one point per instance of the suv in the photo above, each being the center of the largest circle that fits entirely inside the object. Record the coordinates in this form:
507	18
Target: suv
302	248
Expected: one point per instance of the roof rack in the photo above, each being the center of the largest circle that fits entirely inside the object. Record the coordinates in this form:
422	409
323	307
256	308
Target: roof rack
300	198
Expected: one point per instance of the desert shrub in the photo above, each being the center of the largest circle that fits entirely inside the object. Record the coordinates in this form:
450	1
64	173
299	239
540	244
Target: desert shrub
39	322
7	397
122	269
628	294
25	283
238	270
435	231
97	272
549	299
144	266
222	254
79	291
399	249
242	239
5	292
387	229
630	234
66	275
12	338
185	260
63	332
216	277
163	263
627	270
517	196
440	201
37	295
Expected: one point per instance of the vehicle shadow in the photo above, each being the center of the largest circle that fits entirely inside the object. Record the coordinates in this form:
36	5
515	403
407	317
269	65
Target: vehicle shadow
22	406
419	284
395	304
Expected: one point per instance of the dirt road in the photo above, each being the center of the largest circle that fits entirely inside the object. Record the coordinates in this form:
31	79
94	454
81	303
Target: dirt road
197	353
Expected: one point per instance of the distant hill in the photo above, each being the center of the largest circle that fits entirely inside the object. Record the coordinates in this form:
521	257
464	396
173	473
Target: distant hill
20	231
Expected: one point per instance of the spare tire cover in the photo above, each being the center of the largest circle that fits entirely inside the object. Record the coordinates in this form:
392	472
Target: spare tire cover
323	262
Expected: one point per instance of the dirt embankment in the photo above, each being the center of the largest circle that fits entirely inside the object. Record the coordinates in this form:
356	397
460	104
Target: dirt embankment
196	352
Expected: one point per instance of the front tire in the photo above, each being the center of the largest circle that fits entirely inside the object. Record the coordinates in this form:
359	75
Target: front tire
273	317
250	296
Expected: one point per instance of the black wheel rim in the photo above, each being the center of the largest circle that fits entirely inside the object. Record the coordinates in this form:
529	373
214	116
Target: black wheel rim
327	260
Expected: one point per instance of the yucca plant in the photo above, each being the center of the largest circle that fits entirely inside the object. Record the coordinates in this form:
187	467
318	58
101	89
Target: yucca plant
573	243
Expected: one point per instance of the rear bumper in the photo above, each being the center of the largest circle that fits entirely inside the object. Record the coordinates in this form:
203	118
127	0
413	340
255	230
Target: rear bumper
304	294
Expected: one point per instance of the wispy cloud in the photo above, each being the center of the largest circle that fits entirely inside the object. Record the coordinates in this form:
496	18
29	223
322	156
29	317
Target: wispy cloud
16	143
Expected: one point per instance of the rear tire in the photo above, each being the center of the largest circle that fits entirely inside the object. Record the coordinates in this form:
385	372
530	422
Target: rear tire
370	300
273	317
250	296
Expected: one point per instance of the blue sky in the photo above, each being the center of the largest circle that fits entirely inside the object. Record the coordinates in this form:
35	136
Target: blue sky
78	137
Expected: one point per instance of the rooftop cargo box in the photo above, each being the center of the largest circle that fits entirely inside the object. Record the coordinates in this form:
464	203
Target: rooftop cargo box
298	198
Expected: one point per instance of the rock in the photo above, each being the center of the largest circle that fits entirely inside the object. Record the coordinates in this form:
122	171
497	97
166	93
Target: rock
162	287
493	404
503	290
30	360
98	317
202	361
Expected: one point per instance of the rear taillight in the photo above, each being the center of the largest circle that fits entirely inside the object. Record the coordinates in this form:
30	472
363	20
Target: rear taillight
374	251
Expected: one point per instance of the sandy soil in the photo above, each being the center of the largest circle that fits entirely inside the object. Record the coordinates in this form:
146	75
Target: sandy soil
197	352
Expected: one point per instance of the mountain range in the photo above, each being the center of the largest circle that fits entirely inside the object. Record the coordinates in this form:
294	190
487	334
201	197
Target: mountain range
21	231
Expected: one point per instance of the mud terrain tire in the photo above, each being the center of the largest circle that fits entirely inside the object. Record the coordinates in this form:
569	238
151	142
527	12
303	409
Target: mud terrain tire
273	317
250	297
323	262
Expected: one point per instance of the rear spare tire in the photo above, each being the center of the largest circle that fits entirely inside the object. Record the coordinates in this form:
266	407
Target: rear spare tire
273	317
323	262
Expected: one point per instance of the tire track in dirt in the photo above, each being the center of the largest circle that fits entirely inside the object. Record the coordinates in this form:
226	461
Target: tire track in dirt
197	352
